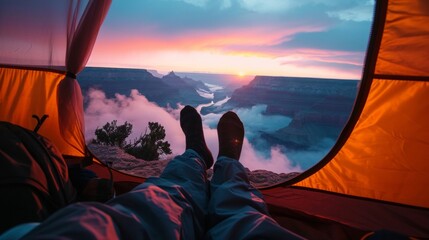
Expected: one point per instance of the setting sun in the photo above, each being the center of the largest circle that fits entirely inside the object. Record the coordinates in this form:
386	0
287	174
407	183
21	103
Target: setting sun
241	74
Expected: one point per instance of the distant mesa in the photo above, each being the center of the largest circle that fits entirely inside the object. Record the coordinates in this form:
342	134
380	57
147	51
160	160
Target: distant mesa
165	90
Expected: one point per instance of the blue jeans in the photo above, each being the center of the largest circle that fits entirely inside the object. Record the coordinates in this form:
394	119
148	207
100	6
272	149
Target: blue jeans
180	204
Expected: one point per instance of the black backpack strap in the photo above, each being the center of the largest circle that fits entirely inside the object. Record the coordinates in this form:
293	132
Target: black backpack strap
40	121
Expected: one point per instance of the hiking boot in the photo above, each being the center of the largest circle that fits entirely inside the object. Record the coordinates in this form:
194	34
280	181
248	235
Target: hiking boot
192	126
230	132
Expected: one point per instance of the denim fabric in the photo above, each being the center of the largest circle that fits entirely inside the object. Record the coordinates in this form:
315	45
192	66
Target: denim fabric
180	204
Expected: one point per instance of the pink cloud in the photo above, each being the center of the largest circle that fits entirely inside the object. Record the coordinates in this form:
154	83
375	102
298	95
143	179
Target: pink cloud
321	55
203	40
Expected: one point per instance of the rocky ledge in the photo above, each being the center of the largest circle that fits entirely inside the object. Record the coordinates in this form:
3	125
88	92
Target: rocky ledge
120	160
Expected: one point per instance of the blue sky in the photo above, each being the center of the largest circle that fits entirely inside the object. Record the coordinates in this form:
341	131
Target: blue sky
314	38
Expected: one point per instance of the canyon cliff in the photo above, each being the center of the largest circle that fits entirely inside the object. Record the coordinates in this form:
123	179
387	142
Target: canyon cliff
319	108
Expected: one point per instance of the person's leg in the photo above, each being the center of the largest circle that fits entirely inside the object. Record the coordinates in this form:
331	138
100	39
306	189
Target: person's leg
185	177
172	206
236	209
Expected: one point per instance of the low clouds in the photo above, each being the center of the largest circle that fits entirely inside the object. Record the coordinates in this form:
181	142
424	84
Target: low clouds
254	120
137	110
278	162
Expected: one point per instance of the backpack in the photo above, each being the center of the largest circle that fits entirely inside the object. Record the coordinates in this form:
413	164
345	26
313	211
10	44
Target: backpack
34	180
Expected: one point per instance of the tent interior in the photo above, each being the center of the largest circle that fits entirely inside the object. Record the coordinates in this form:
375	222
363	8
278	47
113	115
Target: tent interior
374	178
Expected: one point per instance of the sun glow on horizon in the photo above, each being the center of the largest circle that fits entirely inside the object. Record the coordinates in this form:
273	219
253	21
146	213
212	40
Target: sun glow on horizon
297	64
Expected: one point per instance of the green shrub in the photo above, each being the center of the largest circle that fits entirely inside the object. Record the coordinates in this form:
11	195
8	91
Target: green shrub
149	146
113	135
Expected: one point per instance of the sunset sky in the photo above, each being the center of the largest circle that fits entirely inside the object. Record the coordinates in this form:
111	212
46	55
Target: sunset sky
314	38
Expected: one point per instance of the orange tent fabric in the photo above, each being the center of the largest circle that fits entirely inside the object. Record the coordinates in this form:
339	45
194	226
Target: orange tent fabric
385	156
376	175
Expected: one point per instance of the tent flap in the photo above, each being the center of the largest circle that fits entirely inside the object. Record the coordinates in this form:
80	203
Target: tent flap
55	36
385	156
